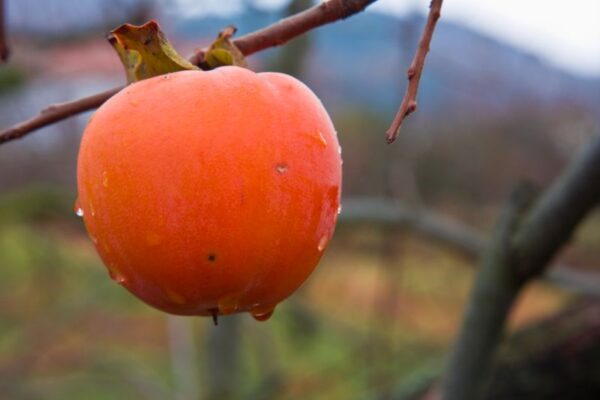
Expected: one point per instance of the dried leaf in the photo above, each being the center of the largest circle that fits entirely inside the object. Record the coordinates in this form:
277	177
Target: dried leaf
223	52
145	52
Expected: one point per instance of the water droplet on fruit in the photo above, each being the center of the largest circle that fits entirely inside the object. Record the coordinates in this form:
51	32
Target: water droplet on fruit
339	150
320	138
281	168
339	210
134	102
323	242
77	208
262	313
104	179
115	274
175	297
152	239
228	304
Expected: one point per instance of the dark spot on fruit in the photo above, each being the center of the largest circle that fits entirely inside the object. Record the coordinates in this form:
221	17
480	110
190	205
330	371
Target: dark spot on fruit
212	257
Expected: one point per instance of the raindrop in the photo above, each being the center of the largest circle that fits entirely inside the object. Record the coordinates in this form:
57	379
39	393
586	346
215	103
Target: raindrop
115	274
262	313
339	210
281	168
228	304
322	243
77	208
321	138
175	297
152	239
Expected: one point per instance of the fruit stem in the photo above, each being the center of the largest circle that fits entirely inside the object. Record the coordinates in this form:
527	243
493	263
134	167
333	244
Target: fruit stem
215	316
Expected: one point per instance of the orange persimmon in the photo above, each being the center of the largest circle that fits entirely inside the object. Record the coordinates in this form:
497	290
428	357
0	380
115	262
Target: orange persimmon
213	192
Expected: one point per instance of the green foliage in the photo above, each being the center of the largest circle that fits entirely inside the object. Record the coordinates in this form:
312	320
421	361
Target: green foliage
36	203
11	77
67	331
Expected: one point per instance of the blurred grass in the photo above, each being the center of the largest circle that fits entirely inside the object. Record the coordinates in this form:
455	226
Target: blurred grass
376	317
11	77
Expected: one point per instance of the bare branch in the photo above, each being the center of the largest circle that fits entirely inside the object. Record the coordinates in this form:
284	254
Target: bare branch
490	301
288	28
461	237
55	113
273	35
516	256
552	222
4	50
409	102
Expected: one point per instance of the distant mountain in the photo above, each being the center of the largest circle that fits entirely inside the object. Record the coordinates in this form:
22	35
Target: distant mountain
363	60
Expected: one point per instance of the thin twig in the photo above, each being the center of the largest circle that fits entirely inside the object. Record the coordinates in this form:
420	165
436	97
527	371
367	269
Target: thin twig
4	50
409	102
273	35
54	113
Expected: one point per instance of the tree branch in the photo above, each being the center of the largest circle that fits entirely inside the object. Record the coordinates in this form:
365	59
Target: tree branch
4	50
409	102
273	35
463	238
517	255
56	112
552	222
288	28
491	299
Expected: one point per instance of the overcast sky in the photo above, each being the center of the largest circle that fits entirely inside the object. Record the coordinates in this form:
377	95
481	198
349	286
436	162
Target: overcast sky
565	33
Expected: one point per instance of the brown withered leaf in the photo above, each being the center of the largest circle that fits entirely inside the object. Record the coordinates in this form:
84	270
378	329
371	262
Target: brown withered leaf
145	52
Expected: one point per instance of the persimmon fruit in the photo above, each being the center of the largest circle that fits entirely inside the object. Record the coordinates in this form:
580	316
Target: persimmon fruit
211	192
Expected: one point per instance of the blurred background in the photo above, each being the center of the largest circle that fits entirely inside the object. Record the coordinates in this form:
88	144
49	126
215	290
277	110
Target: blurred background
376	319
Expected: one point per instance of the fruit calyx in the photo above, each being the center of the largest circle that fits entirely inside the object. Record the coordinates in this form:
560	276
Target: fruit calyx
145	52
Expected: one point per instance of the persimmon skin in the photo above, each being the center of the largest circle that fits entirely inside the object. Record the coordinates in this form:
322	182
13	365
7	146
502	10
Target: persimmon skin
211	192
